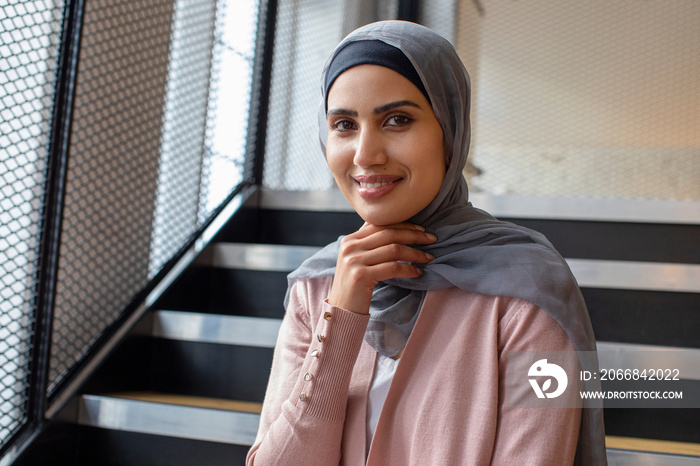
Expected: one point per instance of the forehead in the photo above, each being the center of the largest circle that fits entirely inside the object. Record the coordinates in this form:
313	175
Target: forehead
372	84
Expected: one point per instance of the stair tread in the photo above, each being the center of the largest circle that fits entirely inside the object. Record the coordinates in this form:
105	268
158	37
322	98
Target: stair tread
644	445
652	445
590	273
172	415
215	328
191	401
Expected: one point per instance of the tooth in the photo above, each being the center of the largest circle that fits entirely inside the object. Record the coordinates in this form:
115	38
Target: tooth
373	185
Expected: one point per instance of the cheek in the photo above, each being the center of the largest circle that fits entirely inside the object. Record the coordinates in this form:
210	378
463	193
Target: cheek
434	177
336	159
433	156
435	167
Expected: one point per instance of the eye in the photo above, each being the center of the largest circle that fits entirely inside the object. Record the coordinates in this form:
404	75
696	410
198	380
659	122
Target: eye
398	120
343	125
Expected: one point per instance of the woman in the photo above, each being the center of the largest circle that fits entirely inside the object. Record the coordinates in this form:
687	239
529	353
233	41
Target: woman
412	315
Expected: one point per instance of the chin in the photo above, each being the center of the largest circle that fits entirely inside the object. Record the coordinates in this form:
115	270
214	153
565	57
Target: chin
380	218
380	213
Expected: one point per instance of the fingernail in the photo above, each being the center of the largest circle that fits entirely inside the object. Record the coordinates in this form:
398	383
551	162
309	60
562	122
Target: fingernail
431	237
418	227
420	272
429	256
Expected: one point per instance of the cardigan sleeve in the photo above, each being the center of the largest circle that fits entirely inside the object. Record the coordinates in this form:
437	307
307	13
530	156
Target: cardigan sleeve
304	409
533	435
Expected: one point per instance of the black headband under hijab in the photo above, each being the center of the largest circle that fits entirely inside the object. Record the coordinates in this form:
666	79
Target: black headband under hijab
372	52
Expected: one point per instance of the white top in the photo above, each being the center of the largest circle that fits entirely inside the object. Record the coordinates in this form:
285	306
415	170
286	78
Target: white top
384	371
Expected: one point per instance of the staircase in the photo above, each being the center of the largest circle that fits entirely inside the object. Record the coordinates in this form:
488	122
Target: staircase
186	386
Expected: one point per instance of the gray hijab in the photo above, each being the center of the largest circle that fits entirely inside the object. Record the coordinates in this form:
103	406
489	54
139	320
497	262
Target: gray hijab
474	251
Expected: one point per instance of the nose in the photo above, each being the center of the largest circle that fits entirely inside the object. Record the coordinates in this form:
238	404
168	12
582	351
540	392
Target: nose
369	149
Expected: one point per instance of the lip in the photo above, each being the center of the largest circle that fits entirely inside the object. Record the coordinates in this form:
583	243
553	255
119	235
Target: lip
386	184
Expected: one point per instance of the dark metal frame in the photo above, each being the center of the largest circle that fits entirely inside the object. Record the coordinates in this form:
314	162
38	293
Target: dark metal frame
38	397
49	243
408	10
53	213
260	95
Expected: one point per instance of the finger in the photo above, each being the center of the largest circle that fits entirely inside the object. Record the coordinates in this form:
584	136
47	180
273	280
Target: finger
389	270
395	253
393	236
352	245
402	225
384	255
368	229
394	226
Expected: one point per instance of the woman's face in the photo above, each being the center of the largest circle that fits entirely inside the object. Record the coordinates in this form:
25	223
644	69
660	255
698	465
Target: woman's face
385	145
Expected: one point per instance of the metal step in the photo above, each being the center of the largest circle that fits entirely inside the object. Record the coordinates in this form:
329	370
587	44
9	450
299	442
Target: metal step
214	328
627	355
508	206
171	416
611	229
168	419
636	458
262	257
648	445
590	273
262	332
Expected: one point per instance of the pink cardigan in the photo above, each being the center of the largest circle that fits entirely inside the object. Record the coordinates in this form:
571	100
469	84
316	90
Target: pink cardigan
445	405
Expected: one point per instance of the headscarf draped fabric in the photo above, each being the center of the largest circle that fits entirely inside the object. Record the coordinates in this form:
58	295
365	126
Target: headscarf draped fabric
474	251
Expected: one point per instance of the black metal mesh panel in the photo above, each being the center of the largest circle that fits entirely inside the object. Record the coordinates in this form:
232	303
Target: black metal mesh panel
138	143
113	171
306	33
586	99
184	122
29	35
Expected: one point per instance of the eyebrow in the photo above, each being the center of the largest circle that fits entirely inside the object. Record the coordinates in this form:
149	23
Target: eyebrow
377	110
391	105
341	111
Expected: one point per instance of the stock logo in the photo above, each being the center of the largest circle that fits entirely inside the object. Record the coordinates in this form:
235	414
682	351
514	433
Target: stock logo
541	369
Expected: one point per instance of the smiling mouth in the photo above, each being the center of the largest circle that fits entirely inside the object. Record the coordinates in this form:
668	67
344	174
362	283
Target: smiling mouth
374	185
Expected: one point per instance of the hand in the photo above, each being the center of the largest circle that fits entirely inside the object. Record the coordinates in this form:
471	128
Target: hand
371	255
